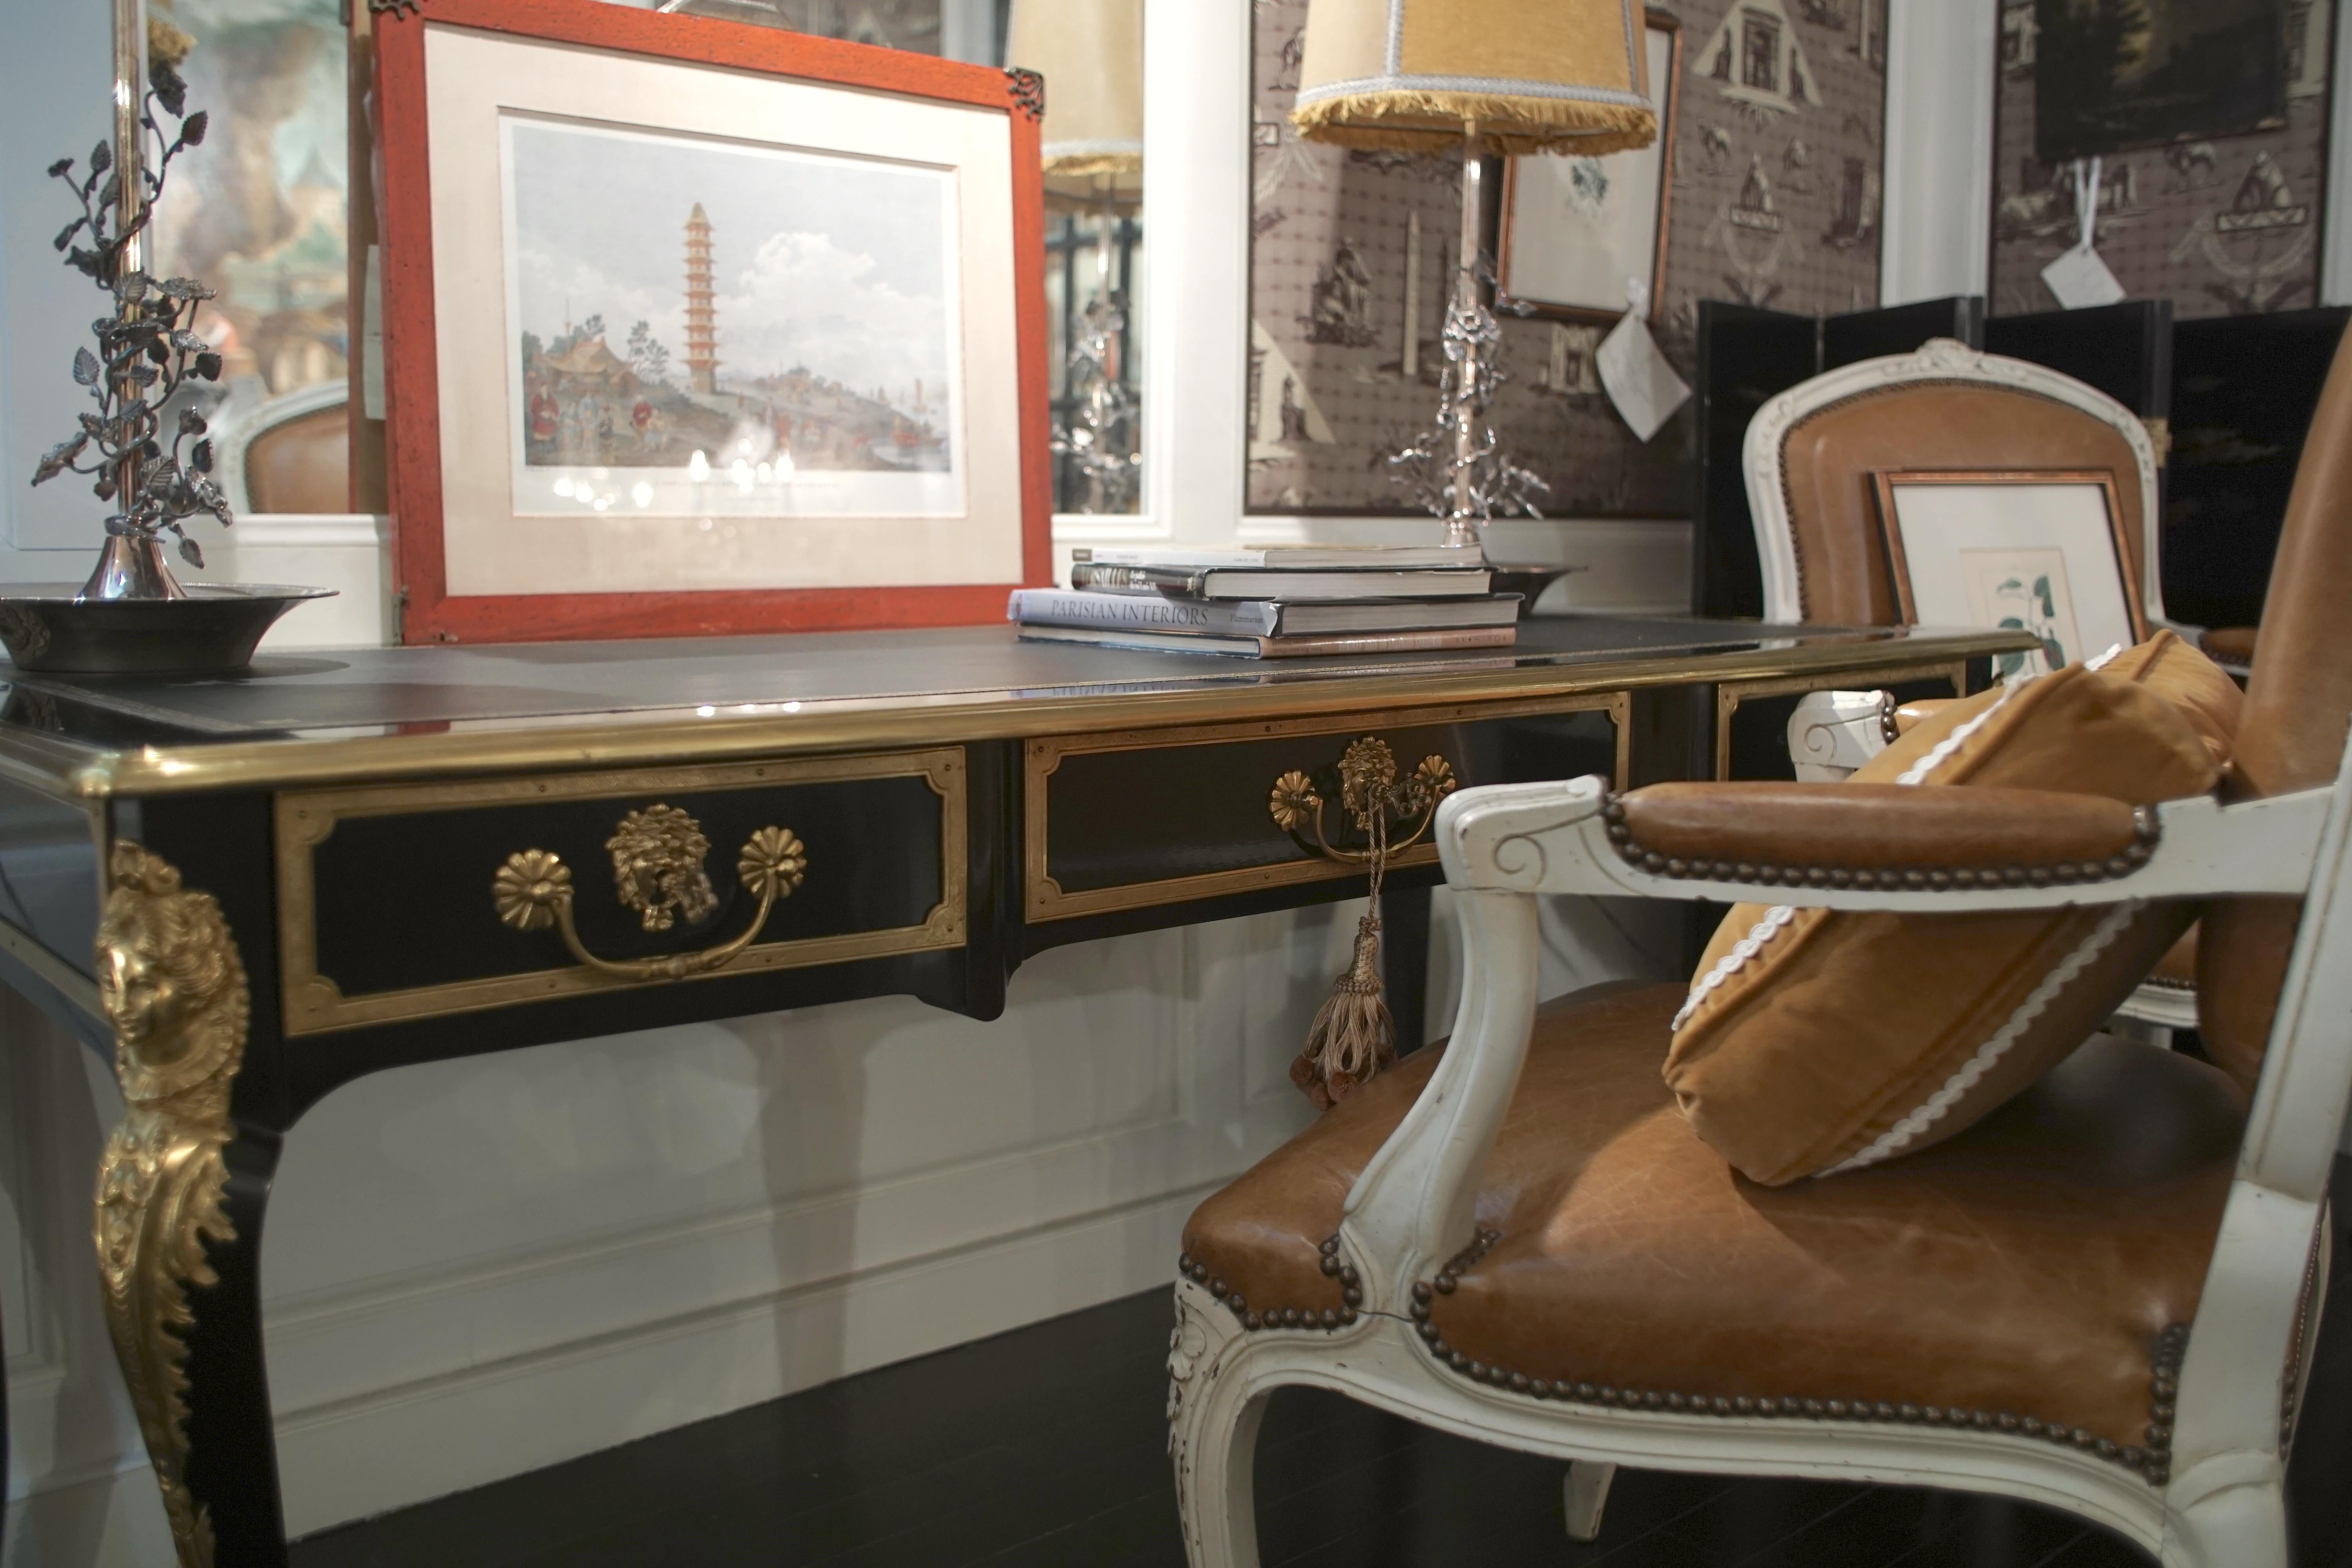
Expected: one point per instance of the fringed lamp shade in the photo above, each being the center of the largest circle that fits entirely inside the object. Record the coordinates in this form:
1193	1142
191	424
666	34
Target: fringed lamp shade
1090	53
1530	76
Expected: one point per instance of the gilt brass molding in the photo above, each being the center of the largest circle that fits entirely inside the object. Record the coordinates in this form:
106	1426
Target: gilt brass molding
80	771
1730	694
1043	898
1368	784
171	982
658	849
314	1004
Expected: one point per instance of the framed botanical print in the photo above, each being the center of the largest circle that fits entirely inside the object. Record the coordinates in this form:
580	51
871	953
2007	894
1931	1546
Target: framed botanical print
1575	228
2034	551
699	327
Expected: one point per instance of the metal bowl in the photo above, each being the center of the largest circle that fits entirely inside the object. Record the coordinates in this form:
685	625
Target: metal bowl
48	626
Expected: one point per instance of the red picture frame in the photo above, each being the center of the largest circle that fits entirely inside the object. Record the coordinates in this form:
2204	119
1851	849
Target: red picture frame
428	612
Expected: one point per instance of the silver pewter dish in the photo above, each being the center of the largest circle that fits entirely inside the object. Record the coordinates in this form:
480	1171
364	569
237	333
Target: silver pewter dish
212	631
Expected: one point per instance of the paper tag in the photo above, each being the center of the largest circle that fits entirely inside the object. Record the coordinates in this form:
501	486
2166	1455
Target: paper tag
2078	278
1639	383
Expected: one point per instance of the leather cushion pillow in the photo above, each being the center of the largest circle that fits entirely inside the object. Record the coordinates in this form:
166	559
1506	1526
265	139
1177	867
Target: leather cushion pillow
1816	1041
2202	691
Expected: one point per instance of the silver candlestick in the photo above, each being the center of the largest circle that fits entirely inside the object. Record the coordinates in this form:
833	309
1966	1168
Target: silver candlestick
1457	467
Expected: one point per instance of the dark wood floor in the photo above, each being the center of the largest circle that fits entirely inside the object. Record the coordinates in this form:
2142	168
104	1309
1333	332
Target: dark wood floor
1047	1446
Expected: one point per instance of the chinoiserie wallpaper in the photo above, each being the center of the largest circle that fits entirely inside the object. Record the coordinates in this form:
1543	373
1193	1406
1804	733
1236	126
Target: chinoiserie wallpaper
2225	225
1776	182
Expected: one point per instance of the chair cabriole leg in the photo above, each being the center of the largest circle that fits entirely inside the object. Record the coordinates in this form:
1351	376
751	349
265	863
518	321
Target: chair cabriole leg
1584	1494
2240	1526
1212	1421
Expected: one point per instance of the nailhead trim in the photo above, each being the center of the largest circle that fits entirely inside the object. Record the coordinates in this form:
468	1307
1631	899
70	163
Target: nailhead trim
2146	828
2153	1462
1481	1244
1328	1317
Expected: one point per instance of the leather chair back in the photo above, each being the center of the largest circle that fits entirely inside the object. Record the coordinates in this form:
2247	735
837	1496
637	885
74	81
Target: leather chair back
1827	456
2298	711
303	465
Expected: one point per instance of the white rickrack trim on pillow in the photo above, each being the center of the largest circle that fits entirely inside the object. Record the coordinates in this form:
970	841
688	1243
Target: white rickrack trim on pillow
1917	771
2105	660
1776	919
1895	1138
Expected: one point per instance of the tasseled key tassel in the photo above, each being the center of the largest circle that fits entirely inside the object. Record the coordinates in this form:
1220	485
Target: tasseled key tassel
1353	1036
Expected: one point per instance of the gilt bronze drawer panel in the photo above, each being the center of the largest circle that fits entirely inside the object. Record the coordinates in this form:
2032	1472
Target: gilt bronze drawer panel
1146	818
418	901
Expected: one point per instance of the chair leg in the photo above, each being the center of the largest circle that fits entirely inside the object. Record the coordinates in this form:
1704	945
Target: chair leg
2238	1527
1212	1421
1585	1493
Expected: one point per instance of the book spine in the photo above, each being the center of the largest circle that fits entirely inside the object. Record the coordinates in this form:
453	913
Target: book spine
1098	578
1140	612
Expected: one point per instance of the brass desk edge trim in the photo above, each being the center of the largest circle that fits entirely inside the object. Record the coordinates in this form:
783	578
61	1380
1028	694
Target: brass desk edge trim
87	772
1044	901
1730	694
314	1004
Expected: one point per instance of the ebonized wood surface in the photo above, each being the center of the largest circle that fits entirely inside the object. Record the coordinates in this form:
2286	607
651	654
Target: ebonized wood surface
391	690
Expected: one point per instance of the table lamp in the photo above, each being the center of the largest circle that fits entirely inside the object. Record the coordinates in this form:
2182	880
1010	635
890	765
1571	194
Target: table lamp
1090	53
1506	77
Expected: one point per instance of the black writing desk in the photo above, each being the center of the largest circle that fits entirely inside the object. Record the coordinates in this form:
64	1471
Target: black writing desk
247	892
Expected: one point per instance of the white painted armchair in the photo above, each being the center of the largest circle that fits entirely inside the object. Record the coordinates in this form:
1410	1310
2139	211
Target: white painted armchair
2100	1298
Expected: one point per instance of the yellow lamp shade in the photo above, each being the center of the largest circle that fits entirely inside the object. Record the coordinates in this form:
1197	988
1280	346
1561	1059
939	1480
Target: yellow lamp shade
1525	76
1090	53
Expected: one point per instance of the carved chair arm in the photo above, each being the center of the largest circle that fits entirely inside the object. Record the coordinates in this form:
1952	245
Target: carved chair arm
1556	838
1412	1207
1832	733
1782	832
1910	715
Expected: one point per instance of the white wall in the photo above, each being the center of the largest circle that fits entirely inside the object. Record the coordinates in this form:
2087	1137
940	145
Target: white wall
1940	74
481	1266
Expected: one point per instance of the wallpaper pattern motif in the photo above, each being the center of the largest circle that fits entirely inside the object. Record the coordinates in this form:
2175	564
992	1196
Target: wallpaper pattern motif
1776	203
2229	225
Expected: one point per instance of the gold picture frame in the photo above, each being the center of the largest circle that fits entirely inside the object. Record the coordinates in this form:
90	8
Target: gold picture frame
2066	579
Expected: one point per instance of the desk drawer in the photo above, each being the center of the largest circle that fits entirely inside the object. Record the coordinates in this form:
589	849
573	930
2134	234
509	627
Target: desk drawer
393	902
1159	816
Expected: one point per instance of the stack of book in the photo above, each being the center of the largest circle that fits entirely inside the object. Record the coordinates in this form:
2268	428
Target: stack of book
1281	601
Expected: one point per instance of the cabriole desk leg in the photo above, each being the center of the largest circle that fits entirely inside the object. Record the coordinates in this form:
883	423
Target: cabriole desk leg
178	1216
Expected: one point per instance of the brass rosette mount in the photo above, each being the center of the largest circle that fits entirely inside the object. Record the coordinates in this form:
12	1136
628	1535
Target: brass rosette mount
533	891
1370	783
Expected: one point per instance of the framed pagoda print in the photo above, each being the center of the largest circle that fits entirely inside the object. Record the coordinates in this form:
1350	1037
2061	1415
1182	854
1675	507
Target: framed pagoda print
698	327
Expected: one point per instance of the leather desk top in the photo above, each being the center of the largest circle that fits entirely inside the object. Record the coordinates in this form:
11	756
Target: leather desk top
340	714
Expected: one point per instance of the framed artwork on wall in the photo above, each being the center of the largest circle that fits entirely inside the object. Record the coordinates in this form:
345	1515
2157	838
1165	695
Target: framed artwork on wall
2038	551
1574	229
2112	77
696	327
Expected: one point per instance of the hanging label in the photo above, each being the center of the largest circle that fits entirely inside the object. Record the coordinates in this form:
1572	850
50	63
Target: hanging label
2079	278
1639	383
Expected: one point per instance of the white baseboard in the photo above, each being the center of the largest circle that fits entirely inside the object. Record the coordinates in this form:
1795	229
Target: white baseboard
501	1418
422	1439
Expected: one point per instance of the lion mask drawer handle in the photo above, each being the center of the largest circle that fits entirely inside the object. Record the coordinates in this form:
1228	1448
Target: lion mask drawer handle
657	871
1368	784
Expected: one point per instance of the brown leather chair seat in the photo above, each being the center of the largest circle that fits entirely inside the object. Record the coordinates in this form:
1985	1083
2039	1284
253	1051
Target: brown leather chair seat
2025	1268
